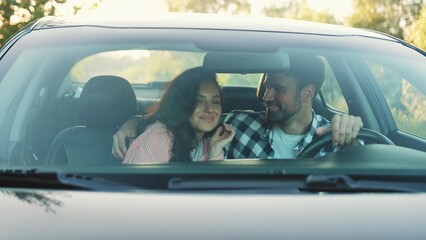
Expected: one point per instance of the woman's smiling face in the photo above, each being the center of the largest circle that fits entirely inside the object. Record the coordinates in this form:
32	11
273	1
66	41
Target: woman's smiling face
207	112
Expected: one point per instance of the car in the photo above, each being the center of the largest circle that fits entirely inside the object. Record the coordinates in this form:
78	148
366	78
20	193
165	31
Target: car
68	83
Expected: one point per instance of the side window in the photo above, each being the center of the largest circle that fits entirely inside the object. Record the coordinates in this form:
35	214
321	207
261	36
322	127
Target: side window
407	104
330	91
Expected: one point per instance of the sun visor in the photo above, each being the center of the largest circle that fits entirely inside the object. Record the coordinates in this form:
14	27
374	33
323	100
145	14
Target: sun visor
246	62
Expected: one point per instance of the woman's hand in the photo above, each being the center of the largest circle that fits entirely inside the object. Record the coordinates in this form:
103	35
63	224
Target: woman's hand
223	136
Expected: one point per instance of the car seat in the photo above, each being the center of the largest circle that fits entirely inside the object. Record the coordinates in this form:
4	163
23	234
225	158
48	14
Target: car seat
105	103
240	98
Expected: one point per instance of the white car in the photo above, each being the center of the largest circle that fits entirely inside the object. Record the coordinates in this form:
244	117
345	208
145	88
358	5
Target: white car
59	179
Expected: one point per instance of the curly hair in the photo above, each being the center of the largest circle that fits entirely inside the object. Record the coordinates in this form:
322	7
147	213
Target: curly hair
175	108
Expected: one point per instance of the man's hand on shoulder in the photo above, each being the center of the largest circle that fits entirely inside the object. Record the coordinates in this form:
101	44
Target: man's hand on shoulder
126	131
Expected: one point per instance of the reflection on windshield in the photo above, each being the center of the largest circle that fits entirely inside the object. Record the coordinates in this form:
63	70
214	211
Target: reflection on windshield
45	200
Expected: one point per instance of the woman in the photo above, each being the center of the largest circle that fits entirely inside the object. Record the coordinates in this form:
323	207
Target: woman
176	127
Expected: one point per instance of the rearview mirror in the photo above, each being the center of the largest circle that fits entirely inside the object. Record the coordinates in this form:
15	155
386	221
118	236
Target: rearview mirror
246	62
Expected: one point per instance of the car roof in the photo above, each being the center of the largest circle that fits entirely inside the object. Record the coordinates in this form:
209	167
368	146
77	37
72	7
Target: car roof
209	21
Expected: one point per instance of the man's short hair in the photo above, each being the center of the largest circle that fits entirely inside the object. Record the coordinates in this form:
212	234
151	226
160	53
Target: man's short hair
307	69
304	69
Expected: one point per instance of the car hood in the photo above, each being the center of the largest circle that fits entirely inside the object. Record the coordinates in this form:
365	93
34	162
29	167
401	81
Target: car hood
38	214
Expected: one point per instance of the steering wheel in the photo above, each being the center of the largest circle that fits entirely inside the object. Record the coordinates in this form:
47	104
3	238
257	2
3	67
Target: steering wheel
366	134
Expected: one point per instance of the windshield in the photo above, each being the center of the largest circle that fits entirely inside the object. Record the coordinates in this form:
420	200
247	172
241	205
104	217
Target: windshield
63	101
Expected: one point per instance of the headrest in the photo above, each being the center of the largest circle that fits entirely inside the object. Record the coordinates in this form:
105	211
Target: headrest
306	68
245	62
106	101
240	98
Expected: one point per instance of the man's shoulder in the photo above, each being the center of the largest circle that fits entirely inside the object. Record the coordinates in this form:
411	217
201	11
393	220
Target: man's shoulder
246	119
239	114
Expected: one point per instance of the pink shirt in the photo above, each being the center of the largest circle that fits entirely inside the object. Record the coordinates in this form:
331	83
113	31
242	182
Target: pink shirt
154	145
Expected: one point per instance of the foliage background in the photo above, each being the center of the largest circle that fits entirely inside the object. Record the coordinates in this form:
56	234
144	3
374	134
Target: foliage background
404	19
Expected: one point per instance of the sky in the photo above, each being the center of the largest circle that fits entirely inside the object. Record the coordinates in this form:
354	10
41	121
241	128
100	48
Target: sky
340	8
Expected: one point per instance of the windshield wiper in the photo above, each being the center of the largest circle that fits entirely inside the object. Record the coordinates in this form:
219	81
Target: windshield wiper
57	180
231	183
344	183
311	183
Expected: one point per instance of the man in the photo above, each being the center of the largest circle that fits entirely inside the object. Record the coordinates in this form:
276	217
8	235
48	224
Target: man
289	123
287	126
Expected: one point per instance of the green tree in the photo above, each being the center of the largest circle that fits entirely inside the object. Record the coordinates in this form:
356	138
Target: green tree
209	6
388	16
416	32
14	14
295	9
414	101
406	20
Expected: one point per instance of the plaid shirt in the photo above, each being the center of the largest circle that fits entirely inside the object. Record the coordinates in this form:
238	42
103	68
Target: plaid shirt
253	135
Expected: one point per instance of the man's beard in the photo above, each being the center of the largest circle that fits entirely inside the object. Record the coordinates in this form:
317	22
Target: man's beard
281	116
